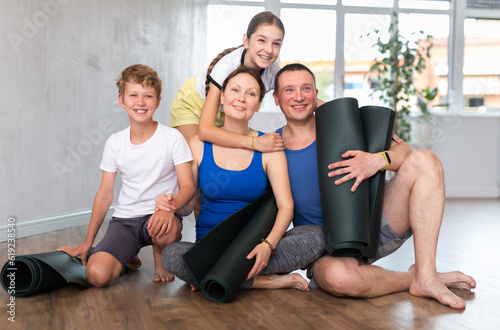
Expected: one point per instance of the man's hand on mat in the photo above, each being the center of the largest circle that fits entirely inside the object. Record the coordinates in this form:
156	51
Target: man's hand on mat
261	253
81	252
360	165
165	203
396	138
160	223
269	142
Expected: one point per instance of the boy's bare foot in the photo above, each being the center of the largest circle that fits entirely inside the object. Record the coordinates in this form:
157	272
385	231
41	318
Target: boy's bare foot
163	275
436	287
135	263
274	281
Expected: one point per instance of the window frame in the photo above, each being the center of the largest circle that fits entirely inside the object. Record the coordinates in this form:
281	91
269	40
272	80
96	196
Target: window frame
458	12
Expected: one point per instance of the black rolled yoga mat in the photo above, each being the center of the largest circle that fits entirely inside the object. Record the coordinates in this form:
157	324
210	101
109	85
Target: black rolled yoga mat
347	216
378	125
37	273
218	261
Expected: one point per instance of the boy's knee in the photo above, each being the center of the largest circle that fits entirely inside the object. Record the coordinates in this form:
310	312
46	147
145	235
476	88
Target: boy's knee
97	276
175	235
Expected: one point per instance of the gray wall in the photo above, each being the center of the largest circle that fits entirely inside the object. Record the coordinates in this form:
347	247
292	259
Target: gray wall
59	62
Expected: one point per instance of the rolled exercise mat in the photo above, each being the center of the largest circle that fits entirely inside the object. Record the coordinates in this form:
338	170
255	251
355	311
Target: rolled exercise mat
227	246
378	126
37	273
345	213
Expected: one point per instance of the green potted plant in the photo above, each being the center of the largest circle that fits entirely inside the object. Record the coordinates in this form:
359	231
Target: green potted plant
401	59
422	124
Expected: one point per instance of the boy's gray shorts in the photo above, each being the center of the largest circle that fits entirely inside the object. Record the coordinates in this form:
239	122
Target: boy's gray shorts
125	238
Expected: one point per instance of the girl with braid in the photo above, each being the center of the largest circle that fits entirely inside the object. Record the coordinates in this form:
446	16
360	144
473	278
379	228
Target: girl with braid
196	109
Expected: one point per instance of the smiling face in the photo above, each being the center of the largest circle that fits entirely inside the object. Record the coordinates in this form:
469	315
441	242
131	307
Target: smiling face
263	46
140	102
296	95
241	97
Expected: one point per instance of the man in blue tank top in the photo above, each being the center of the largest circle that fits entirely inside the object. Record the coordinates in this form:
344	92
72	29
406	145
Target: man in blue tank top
413	202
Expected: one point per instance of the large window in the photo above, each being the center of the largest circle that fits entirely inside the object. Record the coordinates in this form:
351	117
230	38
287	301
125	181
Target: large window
329	36
306	44
481	82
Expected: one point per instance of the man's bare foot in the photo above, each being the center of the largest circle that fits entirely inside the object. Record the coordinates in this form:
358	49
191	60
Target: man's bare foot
135	263
274	281
194	288
454	280
163	275
434	287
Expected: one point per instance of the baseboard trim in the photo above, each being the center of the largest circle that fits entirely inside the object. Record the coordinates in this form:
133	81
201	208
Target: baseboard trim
457	192
47	224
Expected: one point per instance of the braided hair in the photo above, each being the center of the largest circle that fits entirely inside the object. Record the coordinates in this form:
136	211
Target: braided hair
214	62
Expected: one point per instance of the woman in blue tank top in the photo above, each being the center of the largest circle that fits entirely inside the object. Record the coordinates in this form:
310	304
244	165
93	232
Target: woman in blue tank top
231	178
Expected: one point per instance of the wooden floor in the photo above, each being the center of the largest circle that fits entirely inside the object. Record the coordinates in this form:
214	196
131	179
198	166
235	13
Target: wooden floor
469	242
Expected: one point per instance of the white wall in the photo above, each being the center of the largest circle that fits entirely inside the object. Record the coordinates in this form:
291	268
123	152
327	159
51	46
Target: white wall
60	59
469	148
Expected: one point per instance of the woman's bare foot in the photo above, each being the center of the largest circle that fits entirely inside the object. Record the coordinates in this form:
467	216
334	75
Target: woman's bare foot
436	287
135	263
274	281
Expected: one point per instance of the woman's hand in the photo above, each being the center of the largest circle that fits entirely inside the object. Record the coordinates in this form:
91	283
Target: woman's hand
165	203
269	142
262	253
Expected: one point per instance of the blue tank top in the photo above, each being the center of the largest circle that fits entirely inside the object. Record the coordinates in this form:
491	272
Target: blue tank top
303	172
224	192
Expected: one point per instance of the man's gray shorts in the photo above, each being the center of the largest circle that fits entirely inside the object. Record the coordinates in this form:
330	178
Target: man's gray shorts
389	242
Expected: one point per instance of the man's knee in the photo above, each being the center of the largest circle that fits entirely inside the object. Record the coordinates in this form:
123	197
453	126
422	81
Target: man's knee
338	276
423	162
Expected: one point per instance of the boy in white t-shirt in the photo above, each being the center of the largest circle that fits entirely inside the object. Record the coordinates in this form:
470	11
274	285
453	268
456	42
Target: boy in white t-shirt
152	159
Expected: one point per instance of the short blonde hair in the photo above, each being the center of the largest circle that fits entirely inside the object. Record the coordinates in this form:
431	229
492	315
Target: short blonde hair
139	74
